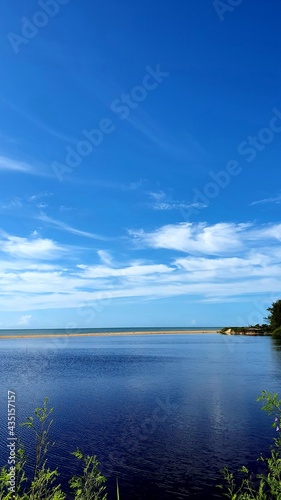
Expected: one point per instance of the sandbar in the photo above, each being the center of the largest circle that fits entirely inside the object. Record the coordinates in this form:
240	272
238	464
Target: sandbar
109	334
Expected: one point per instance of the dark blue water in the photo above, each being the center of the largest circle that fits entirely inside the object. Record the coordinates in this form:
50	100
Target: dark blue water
163	413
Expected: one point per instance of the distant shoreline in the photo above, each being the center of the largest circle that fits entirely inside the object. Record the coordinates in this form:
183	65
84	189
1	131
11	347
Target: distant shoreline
110	334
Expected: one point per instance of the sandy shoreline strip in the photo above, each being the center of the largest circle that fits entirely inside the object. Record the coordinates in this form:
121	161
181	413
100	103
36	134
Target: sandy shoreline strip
108	334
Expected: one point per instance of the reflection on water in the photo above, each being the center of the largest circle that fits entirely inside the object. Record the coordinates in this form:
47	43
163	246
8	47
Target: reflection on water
162	413
276	344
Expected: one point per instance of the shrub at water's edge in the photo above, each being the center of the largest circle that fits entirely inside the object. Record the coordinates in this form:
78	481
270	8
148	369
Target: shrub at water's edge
252	330
267	485
43	484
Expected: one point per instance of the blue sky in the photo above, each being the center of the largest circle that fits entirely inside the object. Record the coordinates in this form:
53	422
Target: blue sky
139	163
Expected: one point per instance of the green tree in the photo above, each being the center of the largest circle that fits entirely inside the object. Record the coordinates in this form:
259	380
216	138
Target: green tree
274	317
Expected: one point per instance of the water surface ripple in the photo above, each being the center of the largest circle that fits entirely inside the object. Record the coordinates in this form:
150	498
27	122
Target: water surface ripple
163	413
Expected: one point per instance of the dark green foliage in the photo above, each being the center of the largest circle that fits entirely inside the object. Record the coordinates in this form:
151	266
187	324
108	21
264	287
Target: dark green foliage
89	486
264	327
274	317
277	333
42	485
266	486
43	478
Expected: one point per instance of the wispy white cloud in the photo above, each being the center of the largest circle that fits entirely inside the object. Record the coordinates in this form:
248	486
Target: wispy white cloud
12	165
132	270
37	121
193	238
64	208
12	204
39	196
177	206
69	229
24	320
161	201
185	149
157	195
24	202
105	257
200	238
252	265
274	200
29	248
118	186
265	232
222	262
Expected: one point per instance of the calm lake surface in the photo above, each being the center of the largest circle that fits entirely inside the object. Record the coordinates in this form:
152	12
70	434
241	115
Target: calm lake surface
163	413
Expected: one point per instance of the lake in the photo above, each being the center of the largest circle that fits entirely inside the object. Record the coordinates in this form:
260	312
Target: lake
163	413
